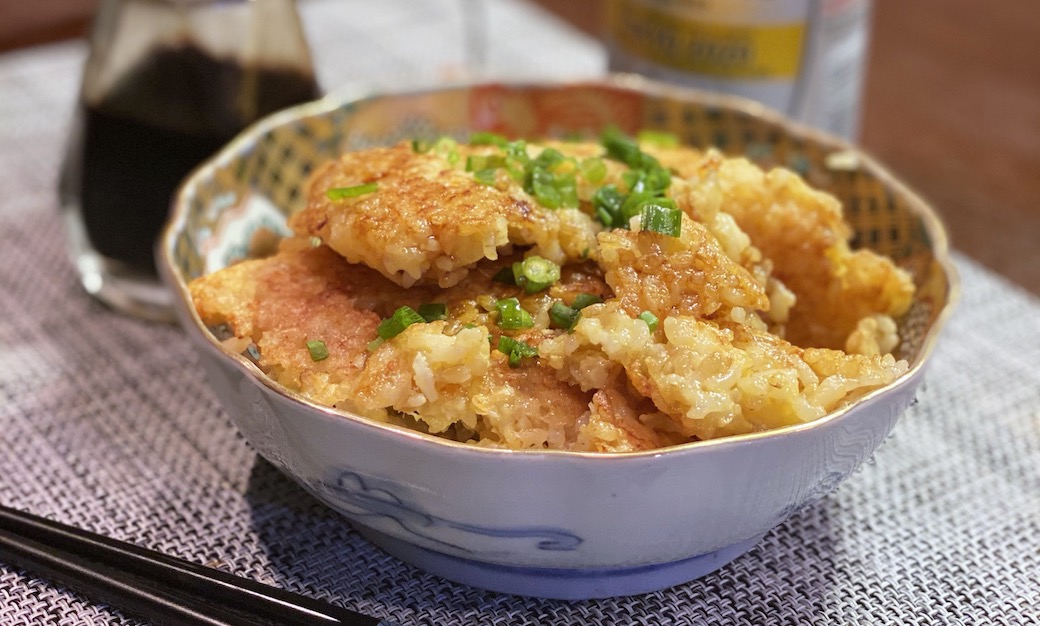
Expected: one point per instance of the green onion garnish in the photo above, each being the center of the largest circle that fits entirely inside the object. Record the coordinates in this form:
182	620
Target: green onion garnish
517	160
447	148
485	176
544	188
650	319
653	180
339	193
658	217
633	206
483	138
535	273
550	178
563	316
583	300
593	169
476	162
420	146
549	157
515	350
433	311
645	182
396	323
607	203
511	316
505	275
318	350
659	138
621	147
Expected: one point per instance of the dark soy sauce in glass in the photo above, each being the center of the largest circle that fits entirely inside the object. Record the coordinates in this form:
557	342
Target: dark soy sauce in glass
177	107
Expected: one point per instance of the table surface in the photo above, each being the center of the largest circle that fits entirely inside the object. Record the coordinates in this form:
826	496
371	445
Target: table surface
113	429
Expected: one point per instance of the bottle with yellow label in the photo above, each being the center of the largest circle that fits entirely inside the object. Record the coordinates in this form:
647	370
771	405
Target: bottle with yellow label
804	58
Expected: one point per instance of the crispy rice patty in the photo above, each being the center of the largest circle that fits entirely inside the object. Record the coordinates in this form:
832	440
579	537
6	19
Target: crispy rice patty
430	221
442	377
801	231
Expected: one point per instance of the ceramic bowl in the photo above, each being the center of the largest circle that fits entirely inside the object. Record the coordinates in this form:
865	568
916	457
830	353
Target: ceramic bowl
550	524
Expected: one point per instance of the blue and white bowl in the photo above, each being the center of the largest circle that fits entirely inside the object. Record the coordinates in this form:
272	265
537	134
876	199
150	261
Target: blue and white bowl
550	524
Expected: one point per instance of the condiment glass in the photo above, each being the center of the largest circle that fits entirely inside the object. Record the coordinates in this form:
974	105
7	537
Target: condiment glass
167	83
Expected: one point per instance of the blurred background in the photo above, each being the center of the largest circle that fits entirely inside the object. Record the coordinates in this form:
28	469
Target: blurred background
951	100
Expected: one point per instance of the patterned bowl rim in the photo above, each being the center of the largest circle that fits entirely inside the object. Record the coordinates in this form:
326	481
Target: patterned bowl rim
193	324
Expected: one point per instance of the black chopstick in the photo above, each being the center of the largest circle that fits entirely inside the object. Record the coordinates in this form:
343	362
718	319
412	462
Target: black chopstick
161	588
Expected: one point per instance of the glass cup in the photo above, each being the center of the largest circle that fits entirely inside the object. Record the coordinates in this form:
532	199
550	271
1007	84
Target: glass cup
167	83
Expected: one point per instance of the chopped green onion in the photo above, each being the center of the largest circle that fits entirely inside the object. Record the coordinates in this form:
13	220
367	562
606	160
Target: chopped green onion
505	275
315	241
657	217
569	165
433	311
654	180
483	138
375	343
486	176
621	147
607	203
420	146
644	183
511	316
633	205
567	186
518	150
563	316
516	169
515	350
650	319
318	350
339	193
543	186
549	157
447	148
659	138
517	160
583	300
593	169
396	323
535	273
550	178
475	162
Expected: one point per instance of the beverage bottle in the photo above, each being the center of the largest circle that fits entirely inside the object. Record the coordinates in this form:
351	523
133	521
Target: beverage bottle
804	58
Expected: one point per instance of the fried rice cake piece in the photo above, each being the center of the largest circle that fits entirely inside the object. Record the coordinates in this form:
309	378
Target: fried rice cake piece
689	274
712	378
430	221
802	232
304	293
443	377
